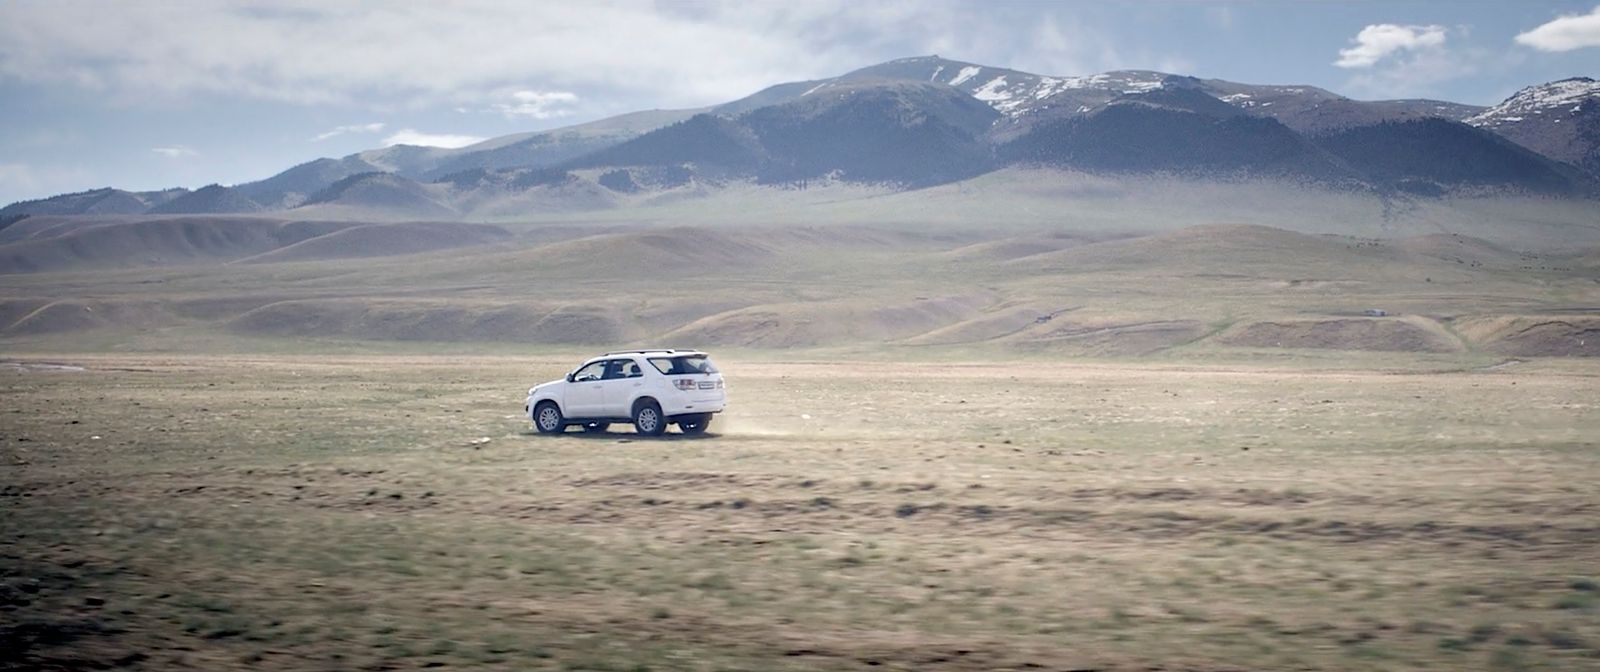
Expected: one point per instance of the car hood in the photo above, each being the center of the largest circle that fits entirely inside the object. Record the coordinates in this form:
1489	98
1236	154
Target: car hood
535	389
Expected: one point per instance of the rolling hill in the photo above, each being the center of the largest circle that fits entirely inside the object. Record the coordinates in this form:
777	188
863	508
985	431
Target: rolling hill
151	241
380	194
293	186
383	240
212	199
105	201
1209	289
48	244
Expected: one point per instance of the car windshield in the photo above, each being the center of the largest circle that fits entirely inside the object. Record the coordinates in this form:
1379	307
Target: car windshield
674	366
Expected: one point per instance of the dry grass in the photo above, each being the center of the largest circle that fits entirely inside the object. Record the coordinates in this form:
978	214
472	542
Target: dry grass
335	513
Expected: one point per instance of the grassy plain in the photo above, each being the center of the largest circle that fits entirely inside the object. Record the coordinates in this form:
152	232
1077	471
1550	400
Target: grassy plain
1328	512
968	446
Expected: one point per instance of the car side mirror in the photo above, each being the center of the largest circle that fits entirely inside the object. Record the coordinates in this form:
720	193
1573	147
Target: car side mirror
571	377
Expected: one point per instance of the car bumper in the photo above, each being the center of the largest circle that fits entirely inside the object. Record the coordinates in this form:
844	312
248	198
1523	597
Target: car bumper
693	406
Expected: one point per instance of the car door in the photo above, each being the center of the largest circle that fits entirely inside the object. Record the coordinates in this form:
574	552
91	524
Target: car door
585	395
622	382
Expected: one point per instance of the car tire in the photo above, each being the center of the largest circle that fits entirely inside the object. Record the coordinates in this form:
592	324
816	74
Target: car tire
695	425
547	418
596	427
647	418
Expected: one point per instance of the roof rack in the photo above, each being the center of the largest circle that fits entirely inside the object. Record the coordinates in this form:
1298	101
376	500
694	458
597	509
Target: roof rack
645	350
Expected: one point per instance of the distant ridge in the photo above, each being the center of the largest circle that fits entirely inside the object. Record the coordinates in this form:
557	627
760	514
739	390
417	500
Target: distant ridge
382	192
916	122
291	187
213	199
104	201
1433	154
1560	120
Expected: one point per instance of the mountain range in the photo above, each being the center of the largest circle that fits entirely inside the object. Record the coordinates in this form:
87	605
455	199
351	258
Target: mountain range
919	122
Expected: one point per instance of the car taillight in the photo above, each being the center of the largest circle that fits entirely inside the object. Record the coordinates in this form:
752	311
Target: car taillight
719	384
683	384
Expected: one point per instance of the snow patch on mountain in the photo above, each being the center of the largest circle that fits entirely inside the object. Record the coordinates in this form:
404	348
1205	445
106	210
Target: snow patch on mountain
1016	94
1006	99
994	89
1239	100
966	73
1536	101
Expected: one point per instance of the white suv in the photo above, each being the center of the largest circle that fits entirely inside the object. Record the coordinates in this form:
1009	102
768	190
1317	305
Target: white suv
649	388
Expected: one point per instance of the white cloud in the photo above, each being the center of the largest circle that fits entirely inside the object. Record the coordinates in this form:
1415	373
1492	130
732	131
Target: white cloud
413	137
1393	61
353	128
473	53
537	104
454	53
1377	41
175	151
1569	32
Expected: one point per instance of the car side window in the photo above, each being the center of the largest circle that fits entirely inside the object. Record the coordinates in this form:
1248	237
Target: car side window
622	368
590	372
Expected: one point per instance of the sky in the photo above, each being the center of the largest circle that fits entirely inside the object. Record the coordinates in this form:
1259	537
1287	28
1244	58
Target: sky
165	93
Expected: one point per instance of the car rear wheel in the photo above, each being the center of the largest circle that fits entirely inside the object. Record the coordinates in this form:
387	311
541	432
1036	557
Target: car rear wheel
647	418
695	425
547	418
596	427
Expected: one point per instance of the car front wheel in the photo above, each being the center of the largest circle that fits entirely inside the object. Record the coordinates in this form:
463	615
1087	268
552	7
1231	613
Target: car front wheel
647	418
547	418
